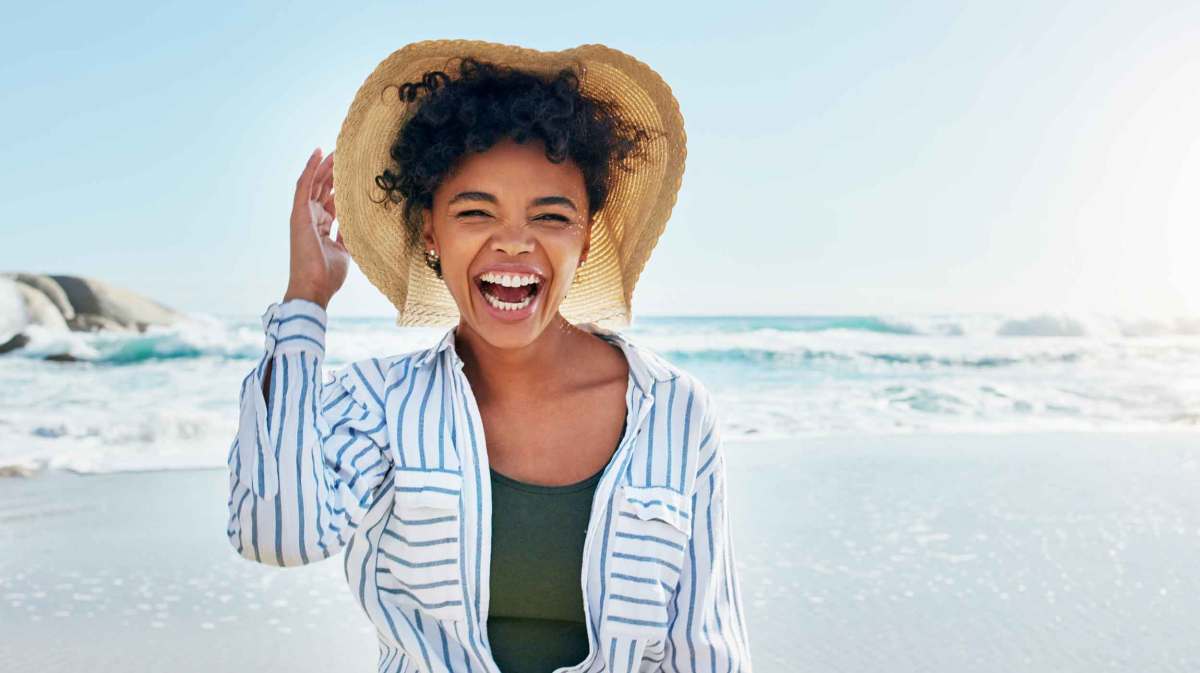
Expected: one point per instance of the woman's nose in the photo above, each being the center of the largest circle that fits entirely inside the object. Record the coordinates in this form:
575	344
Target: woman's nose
513	238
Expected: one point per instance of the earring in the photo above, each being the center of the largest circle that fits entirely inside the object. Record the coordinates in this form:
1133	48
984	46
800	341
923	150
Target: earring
433	262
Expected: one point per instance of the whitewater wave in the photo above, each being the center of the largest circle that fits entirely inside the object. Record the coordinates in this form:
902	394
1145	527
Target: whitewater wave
963	325
763	340
167	397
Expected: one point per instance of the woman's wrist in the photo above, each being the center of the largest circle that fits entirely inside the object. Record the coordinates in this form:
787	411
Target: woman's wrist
308	295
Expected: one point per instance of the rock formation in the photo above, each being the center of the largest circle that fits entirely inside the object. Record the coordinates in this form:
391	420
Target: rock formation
60	302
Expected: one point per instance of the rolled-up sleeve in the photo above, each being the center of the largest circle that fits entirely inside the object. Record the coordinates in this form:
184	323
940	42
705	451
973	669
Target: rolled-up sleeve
707	624
310	458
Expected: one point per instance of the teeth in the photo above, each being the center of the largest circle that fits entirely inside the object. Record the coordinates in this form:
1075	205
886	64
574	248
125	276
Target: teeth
507	305
509	279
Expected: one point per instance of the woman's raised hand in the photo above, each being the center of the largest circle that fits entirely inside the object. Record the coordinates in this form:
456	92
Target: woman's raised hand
318	262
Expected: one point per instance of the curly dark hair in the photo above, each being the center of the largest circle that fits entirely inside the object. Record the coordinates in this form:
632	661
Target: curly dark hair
488	102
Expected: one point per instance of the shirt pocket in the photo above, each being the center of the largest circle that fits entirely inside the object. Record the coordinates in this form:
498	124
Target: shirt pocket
646	555
420	549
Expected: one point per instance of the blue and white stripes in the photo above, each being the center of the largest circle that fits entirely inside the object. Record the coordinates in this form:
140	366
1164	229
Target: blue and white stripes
308	460
387	460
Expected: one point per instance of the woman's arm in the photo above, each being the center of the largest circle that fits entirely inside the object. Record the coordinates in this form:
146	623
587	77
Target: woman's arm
707	629
309	458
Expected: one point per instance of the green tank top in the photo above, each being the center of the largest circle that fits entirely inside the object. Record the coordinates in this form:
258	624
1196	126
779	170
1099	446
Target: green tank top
536	621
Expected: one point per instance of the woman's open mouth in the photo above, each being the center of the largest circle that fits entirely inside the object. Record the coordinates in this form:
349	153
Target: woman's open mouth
510	295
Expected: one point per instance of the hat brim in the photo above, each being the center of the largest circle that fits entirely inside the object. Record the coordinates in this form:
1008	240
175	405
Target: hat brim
624	232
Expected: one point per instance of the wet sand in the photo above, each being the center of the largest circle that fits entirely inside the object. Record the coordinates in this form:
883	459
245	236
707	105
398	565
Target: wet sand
1016	552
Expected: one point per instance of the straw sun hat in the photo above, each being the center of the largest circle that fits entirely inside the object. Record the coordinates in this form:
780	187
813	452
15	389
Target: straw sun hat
624	231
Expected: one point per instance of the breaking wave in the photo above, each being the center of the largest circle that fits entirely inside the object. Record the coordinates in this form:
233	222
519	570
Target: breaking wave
167	397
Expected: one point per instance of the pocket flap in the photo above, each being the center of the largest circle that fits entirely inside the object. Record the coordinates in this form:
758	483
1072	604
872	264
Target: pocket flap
659	502
433	488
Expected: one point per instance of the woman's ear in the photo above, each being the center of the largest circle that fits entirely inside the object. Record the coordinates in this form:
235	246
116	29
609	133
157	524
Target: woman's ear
427	237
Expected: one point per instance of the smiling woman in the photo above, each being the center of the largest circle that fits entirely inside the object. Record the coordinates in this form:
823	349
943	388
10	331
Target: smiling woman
532	493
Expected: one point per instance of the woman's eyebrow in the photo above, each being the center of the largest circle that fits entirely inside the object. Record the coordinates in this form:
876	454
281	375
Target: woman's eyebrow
472	196
490	198
554	201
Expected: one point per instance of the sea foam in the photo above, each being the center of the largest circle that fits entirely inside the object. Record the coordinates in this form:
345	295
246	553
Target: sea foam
168	397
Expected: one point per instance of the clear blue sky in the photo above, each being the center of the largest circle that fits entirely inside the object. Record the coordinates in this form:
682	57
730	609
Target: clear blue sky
842	157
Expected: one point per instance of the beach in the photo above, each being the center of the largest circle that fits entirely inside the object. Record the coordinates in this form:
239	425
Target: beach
915	552
927	271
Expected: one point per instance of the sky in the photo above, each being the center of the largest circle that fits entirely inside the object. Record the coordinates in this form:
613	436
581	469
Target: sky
843	158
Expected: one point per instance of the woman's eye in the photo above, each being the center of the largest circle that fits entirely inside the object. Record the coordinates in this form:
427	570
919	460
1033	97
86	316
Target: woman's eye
483	213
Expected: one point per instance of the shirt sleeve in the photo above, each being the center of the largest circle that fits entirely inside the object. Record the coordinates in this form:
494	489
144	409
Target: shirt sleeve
706	622
310	459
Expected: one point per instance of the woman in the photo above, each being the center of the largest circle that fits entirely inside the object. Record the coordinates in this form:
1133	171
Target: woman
534	492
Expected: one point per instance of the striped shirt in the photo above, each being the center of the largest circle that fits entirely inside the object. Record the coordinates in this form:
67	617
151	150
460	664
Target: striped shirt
385	461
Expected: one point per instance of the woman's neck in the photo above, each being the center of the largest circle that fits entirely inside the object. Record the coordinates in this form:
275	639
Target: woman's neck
514	374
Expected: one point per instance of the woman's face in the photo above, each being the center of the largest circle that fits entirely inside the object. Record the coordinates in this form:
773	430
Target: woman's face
510	227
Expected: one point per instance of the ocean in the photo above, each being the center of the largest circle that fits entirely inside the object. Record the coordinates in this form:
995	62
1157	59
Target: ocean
167	398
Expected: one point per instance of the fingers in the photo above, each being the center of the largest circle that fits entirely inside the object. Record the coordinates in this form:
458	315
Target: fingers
317	217
323	180
330	206
304	183
326	214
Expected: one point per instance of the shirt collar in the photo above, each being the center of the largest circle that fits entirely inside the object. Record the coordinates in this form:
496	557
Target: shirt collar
646	366
446	342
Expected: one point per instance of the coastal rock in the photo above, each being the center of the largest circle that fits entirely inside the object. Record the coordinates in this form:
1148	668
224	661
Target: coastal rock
74	303
99	305
40	309
13	343
47	286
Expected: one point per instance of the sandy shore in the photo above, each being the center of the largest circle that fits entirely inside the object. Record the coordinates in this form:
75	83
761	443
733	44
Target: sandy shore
1046	552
